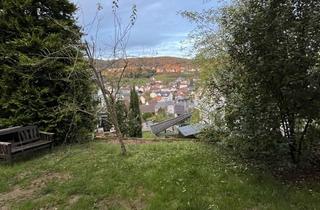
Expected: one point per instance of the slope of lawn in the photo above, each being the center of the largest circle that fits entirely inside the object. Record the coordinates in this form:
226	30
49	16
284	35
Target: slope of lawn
162	175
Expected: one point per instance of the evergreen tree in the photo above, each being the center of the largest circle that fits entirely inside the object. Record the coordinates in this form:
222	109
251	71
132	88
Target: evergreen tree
41	81
122	116
135	124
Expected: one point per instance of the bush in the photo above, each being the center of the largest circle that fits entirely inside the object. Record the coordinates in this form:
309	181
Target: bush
146	116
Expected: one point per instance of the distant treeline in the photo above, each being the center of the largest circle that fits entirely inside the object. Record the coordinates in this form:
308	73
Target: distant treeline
141	74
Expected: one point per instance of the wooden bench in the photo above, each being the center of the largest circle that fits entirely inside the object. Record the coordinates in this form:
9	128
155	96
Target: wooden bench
18	140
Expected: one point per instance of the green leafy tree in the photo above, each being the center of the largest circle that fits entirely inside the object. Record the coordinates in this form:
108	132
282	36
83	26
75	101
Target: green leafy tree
278	47
135	124
161	115
147	116
270	82
42	78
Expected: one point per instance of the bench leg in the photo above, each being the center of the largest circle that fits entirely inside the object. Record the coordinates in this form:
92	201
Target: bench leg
6	151
9	159
51	146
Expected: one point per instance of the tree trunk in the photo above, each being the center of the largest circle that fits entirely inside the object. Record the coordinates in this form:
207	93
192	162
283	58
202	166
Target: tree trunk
288	128
110	103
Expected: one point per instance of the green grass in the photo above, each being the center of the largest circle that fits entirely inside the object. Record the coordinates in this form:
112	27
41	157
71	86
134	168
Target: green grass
166	78
148	135
135	81
173	175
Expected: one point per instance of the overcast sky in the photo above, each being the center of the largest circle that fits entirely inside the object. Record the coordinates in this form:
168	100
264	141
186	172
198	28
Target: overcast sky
159	29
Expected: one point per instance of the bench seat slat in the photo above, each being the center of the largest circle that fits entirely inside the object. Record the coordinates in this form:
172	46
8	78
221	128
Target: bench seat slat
30	146
20	143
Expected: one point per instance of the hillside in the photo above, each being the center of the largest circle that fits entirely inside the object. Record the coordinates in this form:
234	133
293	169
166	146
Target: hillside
155	175
160	64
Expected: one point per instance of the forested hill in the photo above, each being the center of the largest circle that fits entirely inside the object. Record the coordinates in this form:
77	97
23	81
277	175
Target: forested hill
149	63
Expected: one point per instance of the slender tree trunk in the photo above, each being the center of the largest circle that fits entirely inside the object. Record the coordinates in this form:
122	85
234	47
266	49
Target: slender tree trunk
110	103
289	134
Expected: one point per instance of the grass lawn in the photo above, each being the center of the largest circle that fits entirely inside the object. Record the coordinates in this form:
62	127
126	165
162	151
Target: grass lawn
162	175
147	135
135	81
167	78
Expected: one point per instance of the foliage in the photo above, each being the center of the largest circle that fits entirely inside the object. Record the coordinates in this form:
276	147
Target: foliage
166	78
270	82
146	116
135	81
161	115
42	78
141	73
175	175
135	122
148	135
195	118
106	123
122	116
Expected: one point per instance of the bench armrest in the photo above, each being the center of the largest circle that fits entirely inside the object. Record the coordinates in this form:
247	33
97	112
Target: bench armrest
46	133
5	143
46	136
5	148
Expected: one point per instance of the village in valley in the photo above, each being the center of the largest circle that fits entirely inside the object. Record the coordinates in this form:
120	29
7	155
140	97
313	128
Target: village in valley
166	86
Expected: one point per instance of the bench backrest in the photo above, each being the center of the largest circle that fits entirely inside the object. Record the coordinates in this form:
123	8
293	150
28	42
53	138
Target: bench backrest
28	134
20	135
10	134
